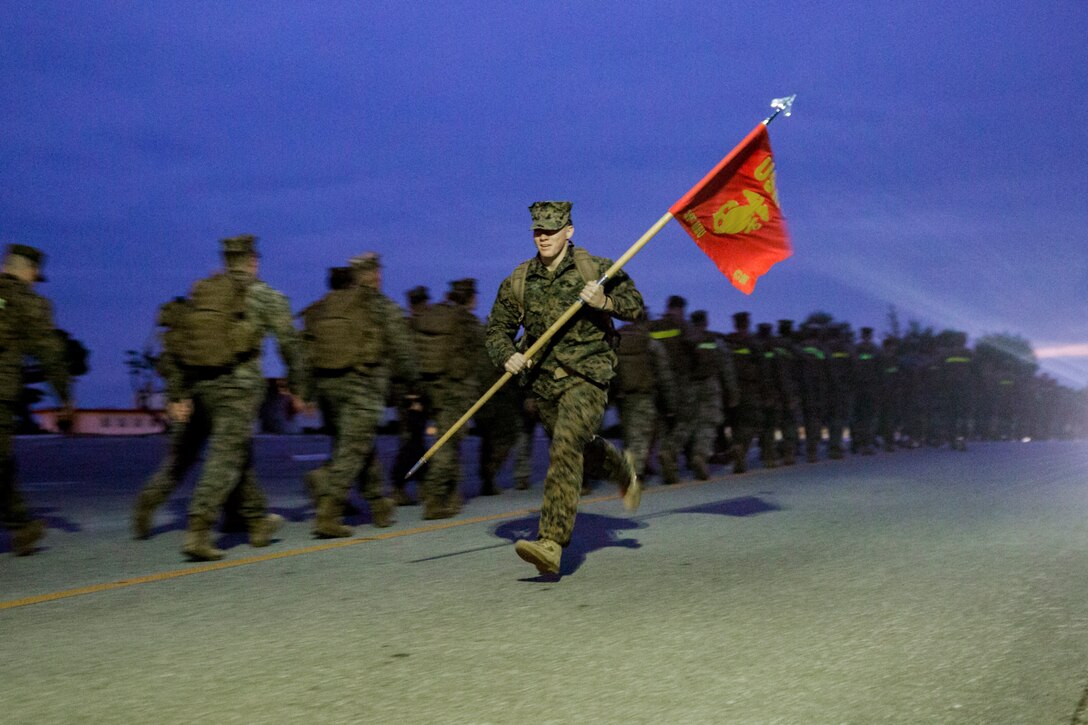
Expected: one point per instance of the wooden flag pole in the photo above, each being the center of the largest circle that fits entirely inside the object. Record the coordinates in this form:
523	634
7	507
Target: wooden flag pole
781	105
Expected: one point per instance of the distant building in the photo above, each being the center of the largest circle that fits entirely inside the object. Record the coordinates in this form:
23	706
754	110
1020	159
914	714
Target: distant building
106	421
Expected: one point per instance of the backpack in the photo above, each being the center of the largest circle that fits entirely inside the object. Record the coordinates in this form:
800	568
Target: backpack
634	373
341	332
586	267
171	318
216	330
9	325
435	330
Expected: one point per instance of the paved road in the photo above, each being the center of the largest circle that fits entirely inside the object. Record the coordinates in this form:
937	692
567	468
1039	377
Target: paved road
918	587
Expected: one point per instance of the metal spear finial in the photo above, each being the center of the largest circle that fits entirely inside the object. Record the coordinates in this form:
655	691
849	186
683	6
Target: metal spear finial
780	105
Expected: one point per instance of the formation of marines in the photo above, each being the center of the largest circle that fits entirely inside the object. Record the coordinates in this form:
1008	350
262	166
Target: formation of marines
682	391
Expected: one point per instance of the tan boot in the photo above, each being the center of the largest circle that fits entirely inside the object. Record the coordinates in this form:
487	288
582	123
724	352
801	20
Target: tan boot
24	537
544	554
435	507
328	525
143	515
632	487
261	530
383	512
198	543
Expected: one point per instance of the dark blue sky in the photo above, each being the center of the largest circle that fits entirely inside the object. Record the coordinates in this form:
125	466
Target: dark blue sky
937	158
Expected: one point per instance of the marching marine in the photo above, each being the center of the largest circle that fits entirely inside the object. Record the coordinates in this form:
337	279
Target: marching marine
26	328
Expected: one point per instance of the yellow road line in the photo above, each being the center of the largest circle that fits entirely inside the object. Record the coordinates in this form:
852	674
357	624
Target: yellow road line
325	546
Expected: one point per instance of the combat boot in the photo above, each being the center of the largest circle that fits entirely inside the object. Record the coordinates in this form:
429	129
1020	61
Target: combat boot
488	488
522	484
24	537
198	542
435	508
630	486
327	523
544	554
382	512
262	529
143	514
699	468
315	484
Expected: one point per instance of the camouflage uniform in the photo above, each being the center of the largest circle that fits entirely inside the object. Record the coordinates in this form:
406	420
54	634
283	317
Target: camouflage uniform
957	384
245	504
523	458
450	340
677	337
26	326
789	410
812	375
840	361
715	388
643	386
498	424
866	387
570	375
748	416
891	403
352	395
230	396
411	413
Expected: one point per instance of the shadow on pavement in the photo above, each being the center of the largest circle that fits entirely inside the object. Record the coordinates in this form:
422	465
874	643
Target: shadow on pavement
591	533
742	506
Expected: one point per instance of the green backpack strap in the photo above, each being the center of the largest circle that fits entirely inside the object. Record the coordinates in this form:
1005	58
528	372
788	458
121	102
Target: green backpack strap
585	264
517	285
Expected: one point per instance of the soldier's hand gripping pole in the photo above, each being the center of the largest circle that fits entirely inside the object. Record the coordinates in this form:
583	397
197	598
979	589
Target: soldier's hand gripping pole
542	341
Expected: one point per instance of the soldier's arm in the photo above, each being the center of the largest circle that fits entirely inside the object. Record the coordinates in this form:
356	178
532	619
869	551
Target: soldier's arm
730	386
45	345
275	314
400	346
624	300
502	326
173	374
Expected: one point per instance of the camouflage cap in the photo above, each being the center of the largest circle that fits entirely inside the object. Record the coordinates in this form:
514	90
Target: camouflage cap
675	301
741	319
31	254
464	286
241	244
550	215
698	317
366	262
418	295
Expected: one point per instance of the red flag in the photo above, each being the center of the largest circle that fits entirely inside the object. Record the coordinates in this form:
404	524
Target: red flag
733	214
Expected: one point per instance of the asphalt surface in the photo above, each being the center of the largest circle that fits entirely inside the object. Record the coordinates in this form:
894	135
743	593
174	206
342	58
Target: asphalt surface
924	586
